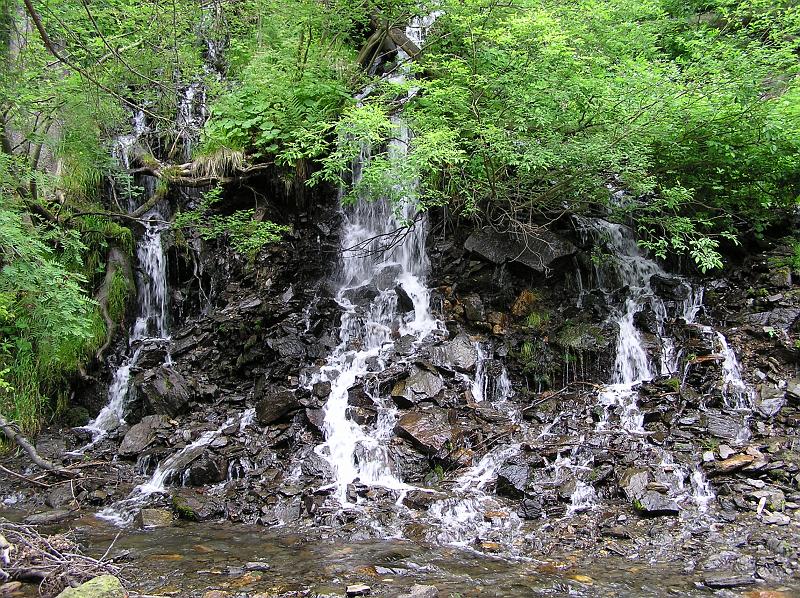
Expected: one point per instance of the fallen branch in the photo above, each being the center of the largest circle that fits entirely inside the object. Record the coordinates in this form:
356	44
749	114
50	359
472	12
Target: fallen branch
12	433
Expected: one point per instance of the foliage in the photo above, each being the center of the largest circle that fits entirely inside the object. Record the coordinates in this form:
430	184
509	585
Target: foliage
246	234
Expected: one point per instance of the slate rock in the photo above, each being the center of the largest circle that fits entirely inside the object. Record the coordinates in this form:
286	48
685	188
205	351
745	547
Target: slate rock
420	385
195	506
276	402
536	252
428	430
153	518
165	391
141	435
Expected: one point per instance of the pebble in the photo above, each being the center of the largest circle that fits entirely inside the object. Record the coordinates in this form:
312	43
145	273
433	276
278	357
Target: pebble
358	590
257	566
725	451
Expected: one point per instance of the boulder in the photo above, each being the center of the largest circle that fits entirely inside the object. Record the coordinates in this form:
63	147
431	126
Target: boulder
459	354
104	586
428	430
141	435
165	391
275	404
404	301
668	287
512	479
724	426
635	482
152	518
386	278
194	506
473	308
770	400
288	347
361	296
419	386
207	469
48	517
536	252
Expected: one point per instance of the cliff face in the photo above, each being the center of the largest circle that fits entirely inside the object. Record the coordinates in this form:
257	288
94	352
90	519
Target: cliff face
570	381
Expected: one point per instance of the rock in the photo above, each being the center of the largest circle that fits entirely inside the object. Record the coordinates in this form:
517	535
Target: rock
316	419
418	591
153	518
48	517
321	390
727	580
460	354
194	506
646	320
165	391
428	430
386	278
725	451
723	426
473	308
77	416
316	466
536	252
256	566
512	479
62	496
523	303
793	389
358	589
275	404
141	435
288	347
636	483
421	385
770	400
361	296
669	288
12	588
104	586
209	468
217	594
733	463
404	301
421	499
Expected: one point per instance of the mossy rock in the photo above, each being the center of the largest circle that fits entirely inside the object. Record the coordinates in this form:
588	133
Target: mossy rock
76	417
105	586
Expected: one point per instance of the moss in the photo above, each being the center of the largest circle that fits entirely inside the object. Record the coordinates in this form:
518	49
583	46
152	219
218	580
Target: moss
673	383
183	510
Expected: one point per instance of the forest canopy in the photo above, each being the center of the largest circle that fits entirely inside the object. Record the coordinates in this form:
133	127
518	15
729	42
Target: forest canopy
517	112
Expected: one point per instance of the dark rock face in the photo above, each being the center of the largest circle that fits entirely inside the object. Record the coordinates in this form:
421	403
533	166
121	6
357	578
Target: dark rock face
421	385
459	353
276	403
141	435
429	430
165	391
535	252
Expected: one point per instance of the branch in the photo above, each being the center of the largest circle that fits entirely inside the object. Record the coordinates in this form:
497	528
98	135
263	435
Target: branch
14	435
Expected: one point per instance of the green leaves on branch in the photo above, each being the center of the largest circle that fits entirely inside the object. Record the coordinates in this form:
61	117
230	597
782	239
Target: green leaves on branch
246	234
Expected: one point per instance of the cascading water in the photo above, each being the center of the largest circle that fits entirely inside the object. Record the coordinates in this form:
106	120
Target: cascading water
382	293
151	322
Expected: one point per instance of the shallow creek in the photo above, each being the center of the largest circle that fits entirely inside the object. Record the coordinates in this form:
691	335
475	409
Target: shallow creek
191	558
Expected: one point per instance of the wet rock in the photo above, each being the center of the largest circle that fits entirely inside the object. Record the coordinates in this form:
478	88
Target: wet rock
534	251
275	404
421	499
723	426
421	385
288	347
104	586
404	301
316	466
316	419
770	400
195	506
636	483
63	496
733	464
727	580
418	591
256	566
153	518
405	344
321	390
669	288
12	588
358	589
361	296
165	391
77	416
48	517
386	278
429	430
459	353
208	469
141	435
473	308
646	319
512	479
523	303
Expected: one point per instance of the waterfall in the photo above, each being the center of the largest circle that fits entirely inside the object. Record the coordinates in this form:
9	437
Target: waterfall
381	290
735	391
